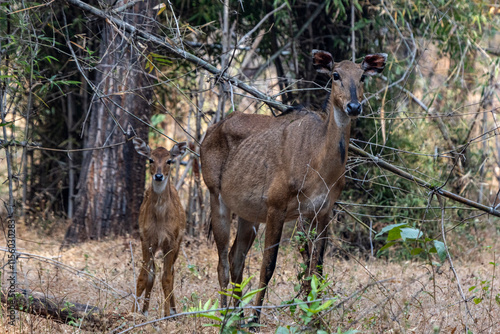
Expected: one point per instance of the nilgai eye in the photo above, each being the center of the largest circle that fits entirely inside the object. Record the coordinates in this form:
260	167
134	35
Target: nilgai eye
336	76
363	77
151	160
169	162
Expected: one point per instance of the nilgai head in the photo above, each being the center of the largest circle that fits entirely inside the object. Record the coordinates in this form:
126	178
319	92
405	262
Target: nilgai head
160	160
347	78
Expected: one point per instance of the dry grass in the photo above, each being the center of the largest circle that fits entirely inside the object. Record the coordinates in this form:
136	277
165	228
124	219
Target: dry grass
409	299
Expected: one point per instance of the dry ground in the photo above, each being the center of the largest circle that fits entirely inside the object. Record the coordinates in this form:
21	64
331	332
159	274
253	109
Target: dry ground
406	298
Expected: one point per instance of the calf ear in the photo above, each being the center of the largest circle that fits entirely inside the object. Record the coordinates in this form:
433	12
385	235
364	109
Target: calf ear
141	147
178	149
374	63
322	61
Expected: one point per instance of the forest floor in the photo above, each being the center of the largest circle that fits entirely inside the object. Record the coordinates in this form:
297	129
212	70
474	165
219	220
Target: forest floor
370	295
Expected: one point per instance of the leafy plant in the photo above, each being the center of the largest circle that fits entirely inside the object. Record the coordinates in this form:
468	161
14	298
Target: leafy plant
73	321
311	308
483	289
229	320
402	234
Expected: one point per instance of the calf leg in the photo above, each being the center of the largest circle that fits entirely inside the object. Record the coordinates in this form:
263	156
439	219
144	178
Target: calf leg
167	281
146	278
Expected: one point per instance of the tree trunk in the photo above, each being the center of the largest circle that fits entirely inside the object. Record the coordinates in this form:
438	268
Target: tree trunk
111	184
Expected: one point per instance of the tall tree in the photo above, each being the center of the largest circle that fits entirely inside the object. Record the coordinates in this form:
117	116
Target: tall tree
111	183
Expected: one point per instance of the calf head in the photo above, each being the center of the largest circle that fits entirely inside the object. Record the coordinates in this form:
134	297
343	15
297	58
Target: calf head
347	78
160	160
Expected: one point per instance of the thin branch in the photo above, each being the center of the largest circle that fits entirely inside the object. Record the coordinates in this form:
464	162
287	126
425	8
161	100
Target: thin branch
448	256
287	45
31	8
359	221
126	6
36	146
387	166
353	34
95	280
248	34
250	307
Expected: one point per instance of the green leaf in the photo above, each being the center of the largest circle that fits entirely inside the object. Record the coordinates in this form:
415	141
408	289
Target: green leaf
314	283
390	227
6	123
394	234
50	58
477	300
324	306
282	330
387	245
209	316
207	305
410	233
246	281
303	306
246	298
358	6
229	294
440	249
211	325
416	251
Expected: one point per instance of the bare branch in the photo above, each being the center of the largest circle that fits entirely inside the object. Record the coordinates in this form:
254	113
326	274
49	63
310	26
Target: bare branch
448	256
297	35
126	6
437	189
248	34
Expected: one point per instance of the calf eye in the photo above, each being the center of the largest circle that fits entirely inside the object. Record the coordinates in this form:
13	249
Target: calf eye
151	160
336	76
169	161
363	77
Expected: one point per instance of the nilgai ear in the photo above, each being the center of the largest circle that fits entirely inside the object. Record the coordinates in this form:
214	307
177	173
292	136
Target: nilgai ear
322	61
374	63
178	149
141	147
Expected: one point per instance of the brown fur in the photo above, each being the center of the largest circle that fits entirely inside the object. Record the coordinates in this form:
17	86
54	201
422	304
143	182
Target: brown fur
275	169
162	221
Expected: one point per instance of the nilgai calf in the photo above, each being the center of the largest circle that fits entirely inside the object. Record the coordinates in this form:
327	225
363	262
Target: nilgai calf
162	221
274	169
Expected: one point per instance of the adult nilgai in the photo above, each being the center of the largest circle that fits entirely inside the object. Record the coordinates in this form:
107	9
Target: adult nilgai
275	169
161	223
